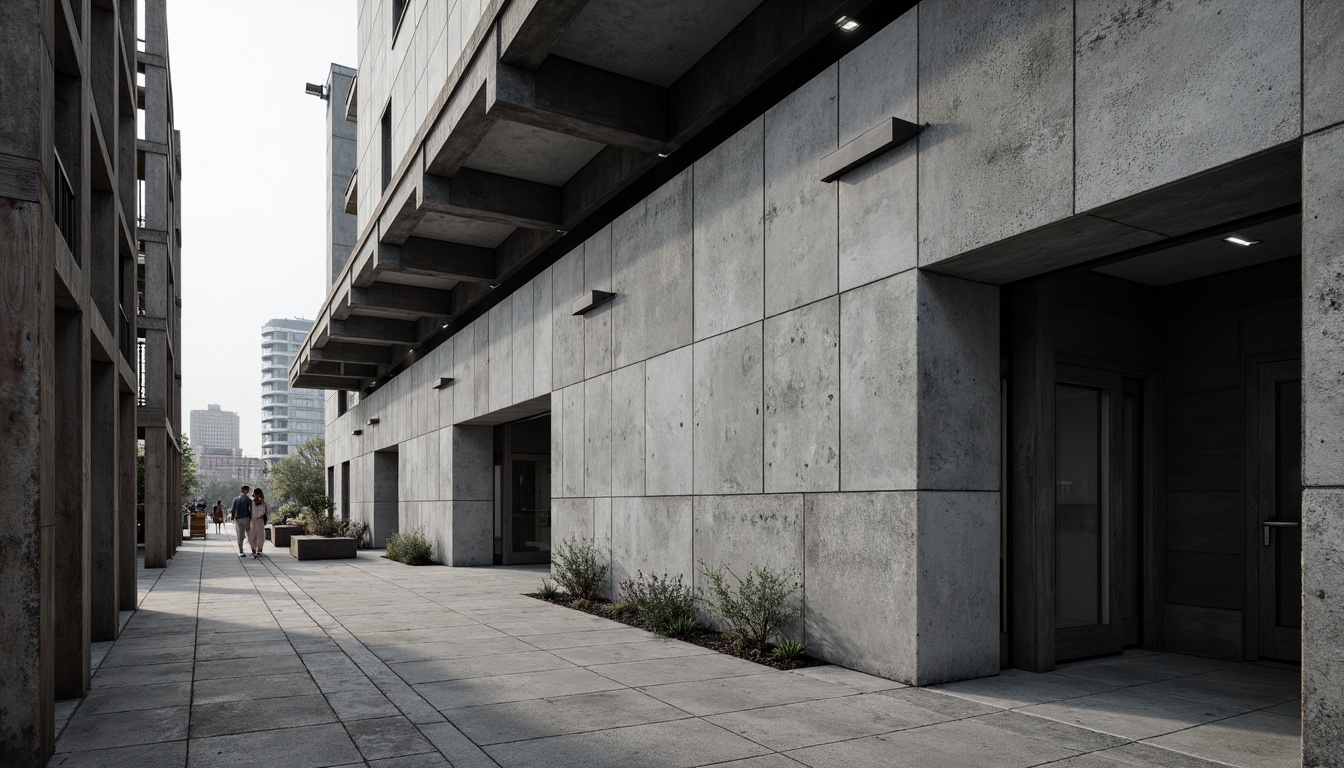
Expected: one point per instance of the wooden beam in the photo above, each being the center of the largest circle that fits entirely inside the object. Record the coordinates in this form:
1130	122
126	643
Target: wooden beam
482	196
359	328
529	29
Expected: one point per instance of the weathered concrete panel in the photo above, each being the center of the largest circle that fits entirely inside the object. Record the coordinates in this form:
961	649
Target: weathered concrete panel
472	462
627	431
742	532
543	310
480	382
418	476
571	519
597	322
597	436
958	591
1322	59
473	533
567	329
802	391
572	465
728	420
996	88
1153	108
602	537
1322	625
464	374
1323	308
879	383
730	233
800	209
668	453
652	535
500	318
524	351
862	581
651	274
878	206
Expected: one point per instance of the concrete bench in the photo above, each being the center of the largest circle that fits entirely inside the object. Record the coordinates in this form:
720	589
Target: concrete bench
279	535
321	547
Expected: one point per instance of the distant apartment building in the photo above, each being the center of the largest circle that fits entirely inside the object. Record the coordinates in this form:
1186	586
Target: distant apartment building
290	417
231	467
89	320
214	432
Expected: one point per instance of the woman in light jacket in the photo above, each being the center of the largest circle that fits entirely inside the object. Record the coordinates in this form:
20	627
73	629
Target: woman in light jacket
261	512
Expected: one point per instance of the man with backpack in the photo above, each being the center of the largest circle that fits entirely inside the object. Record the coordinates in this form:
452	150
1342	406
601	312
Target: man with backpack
241	512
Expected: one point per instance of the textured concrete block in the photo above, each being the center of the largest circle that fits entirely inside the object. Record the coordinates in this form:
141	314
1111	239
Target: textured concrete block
728	422
572	471
464	374
741	532
878	206
627	431
418	475
800	209
279	535
861	581
523	347
996	87
802	408
879	385
730	233
567	329
1152	108
543	308
958	588
571	518
1322	625
668	454
597	322
597	436
480	381
473	532
469	466
651	534
1322	59
651	274
1323	308
321	547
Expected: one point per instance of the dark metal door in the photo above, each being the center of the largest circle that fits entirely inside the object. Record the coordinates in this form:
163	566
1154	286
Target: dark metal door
1279	509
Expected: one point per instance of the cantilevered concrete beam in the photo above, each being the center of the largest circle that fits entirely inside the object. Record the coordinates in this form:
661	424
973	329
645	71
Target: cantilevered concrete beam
575	99
465	136
315	381
428	258
401	302
529	29
346	370
346	352
361	329
490	197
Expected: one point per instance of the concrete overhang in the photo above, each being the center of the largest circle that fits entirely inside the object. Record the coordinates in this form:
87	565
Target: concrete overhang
352	99
352	194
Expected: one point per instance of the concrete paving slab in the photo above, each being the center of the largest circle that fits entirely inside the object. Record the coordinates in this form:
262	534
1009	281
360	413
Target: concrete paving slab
502	688
1016	688
675	744
488	646
678	670
148	674
134	656
465	668
1138	669
1248	686
806	724
1258	739
539	718
245	688
1136	755
435	635
121	729
1134	713
361	705
387	737
426	760
587	638
855	680
250	716
322	745
642	650
167	755
972	742
102	701
275	664
729	694
457	748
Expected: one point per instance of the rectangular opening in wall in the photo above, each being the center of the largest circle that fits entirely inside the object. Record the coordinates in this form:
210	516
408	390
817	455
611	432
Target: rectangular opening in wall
385	137
398	13
345	490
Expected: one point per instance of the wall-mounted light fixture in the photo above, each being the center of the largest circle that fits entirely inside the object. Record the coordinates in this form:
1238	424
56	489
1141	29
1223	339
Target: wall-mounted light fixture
372	421
887	135
1233	239
357	432
846	24
313	89
442	382
589	301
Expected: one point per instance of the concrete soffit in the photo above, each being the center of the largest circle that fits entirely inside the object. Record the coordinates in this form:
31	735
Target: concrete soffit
446	232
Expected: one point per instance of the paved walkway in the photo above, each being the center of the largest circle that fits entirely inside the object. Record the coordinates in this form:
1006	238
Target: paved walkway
300	665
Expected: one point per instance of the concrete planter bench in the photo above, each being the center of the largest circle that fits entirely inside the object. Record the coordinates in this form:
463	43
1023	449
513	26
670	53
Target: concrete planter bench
279	535
321	547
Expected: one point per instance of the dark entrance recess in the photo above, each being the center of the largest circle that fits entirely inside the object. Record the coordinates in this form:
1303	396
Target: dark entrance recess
523	491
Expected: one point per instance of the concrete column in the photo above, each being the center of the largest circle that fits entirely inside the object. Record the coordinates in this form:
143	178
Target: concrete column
467	477
71	386
156	497
126	492
104	501
1323	448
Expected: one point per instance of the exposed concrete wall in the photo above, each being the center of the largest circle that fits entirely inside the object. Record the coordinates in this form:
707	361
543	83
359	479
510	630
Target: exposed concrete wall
341	159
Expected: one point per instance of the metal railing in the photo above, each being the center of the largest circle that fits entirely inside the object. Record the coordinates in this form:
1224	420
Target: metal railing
125	341
140	373
67	209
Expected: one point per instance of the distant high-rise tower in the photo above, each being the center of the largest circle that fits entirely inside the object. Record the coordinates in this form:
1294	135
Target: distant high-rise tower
214	432
289	417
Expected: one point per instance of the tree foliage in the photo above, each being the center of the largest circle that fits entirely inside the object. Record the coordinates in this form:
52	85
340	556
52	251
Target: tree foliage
301	477
191	472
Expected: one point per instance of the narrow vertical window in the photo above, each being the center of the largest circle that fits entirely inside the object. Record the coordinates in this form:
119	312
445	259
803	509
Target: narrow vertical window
398	11
385	129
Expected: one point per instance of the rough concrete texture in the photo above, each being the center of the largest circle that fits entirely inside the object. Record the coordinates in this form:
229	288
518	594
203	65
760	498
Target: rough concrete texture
996	88
958	591
741	532
1322	52
1152	108
800	209
878	201
472	533
730	234
500	355
651	274
668	454
571	519
637	521
879	384
321	547
597	322
597	455
1323	308
1322	625
727	438
572	419
465	373
627	431
524	345
802	408
543	312
567	338
862	580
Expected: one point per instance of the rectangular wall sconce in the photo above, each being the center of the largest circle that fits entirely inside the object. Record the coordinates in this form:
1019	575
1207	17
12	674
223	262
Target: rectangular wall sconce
589	301
442	382
357	432
888	134
372	421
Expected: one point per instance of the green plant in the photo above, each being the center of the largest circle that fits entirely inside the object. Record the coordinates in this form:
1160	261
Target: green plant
410	547
758	607
315	524
789	650
548	590
357	530
665	602
578	567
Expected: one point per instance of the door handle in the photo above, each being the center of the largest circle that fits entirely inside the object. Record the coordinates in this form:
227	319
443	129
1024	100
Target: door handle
1267	525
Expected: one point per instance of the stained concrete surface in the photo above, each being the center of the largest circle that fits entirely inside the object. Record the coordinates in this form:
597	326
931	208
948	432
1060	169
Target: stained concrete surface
372	663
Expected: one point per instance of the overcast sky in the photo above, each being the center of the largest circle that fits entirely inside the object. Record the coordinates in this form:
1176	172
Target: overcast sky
253	186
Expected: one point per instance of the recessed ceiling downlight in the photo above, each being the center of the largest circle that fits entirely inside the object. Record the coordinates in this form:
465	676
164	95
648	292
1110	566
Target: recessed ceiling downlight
847	24
1233	239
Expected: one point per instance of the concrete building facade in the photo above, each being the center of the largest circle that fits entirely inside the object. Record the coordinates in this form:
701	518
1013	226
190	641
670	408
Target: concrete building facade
87	263
214	432
1010	328
235	466
290	417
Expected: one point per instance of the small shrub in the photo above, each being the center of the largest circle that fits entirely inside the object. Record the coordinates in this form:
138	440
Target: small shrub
578	567
760	605
357	530
789	650
410	547
321	525
548	590
666	603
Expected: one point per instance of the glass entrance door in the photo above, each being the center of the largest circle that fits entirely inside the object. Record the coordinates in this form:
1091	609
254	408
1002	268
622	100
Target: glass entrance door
1279	508
523	484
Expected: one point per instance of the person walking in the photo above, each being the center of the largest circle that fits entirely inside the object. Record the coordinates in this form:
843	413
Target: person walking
217	514
261	511
241	512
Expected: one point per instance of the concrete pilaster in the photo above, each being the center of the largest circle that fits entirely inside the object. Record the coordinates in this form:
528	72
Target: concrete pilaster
71	390
104	470
126	494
